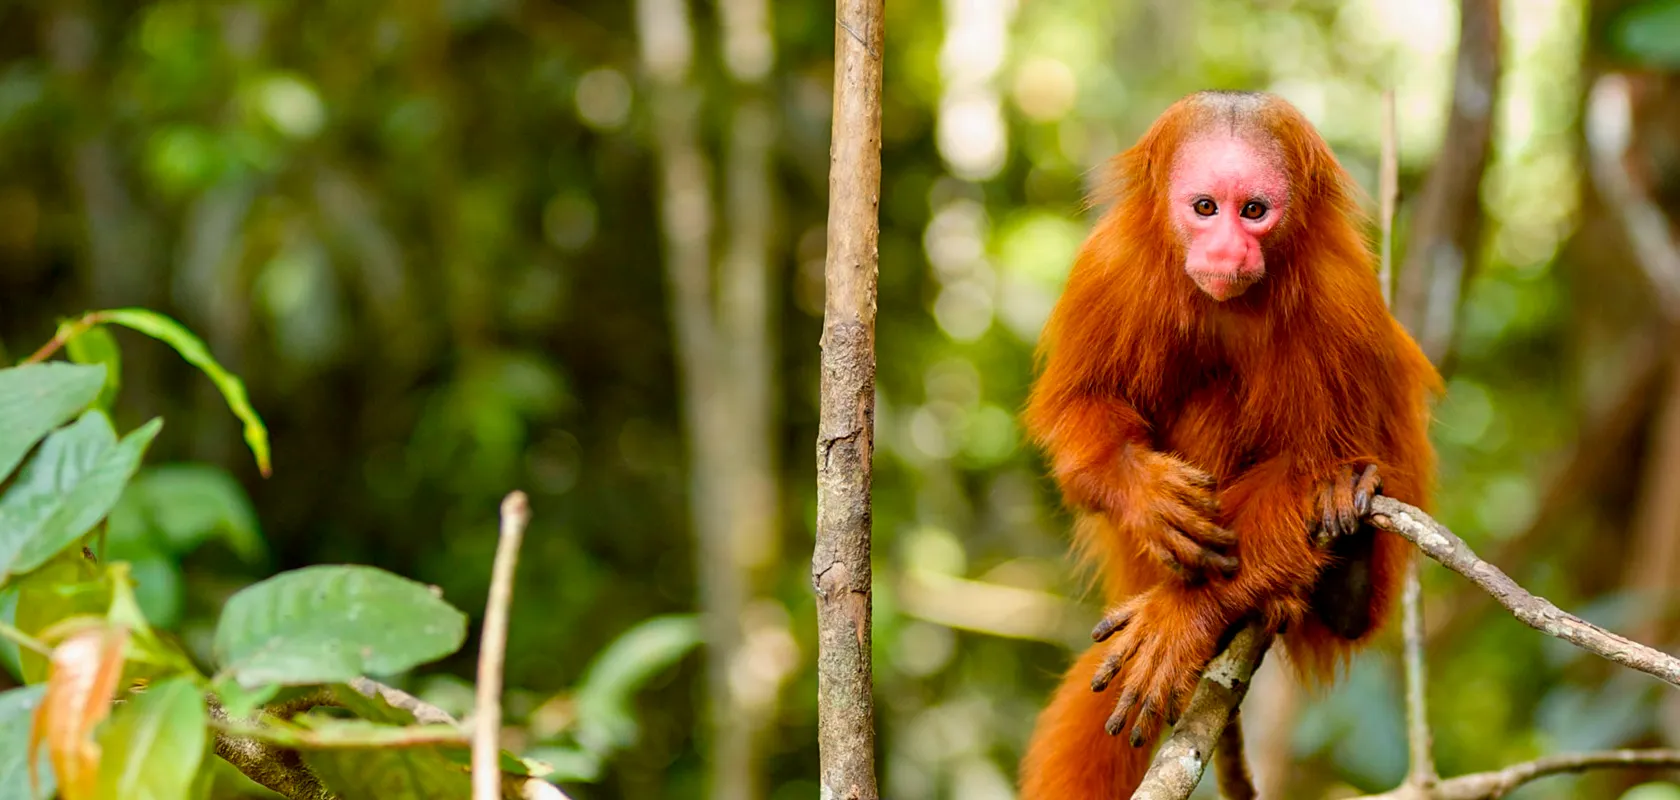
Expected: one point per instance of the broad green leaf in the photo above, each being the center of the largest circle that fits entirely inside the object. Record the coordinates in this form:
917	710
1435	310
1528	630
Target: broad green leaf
153	744
1650	32
328	624
96	346
36	398
391	773
171	509
197	354
606	719
68	585
151	656
65	490
17	711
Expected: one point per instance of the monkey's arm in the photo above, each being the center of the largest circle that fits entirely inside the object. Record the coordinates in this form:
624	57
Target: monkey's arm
1101	459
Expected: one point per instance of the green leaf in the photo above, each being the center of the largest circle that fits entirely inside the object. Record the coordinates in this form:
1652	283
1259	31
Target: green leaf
173	508
36	398
606	719
153	744
197	354
68	585
327	624
1649	32
17	710
151	656
96	345
392	773
66	489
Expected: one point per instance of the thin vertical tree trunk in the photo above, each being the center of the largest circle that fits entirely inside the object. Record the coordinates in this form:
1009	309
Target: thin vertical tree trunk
667	45
1447	223
846	426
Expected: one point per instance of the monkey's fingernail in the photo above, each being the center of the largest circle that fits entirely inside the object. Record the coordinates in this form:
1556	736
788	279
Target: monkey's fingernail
1227	564
1115	723
1105	673
1145	722
1109	625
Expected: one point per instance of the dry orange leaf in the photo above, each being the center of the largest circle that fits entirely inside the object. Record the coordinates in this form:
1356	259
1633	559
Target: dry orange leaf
81	683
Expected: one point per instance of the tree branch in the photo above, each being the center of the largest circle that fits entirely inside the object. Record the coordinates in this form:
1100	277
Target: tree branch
1179	764
492	650
1229	766
840	569
1537	612
1497	783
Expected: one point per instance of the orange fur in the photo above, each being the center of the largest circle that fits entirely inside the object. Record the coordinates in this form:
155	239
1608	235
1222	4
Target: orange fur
1145	380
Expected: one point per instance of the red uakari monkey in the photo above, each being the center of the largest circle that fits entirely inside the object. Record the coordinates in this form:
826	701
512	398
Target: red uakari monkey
1221	393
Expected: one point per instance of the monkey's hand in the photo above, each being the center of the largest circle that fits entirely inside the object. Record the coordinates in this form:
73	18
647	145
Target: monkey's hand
1343	502
1158	644
1173	517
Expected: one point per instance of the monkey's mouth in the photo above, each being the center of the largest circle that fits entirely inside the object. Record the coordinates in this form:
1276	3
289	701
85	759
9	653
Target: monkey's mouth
1222	286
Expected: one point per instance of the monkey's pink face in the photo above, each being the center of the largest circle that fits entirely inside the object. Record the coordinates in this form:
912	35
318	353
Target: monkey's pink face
1225	195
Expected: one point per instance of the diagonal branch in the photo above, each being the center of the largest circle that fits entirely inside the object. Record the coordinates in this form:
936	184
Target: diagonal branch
1537	612
1498	783
1179	764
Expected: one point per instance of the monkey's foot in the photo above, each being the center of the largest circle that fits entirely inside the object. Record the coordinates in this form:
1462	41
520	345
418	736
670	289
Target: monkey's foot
1343	502
1159	643
1178	525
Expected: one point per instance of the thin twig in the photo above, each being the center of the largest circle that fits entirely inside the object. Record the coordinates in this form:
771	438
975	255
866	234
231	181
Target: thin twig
1388	195
1179	764
1497	783
67	330
24	640
1418	739
492	650
1537	612
1422	769
840	567
1229	766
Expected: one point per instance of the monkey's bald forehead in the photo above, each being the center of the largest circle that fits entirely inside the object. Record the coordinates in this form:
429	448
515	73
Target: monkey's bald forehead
1248	115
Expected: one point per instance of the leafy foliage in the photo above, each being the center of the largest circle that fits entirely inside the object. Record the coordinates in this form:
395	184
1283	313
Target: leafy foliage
329	624
119	710
1650	31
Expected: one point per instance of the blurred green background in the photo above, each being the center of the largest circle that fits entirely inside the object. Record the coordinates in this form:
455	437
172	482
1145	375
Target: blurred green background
457	247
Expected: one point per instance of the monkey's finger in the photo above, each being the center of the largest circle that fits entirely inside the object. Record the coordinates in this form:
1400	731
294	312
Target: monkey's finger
1198	478
1174	706
1144	729
1195	561
1327	514
1199	528
1111	624
1367	488
1106	671
1166	550
1345	516
1117	720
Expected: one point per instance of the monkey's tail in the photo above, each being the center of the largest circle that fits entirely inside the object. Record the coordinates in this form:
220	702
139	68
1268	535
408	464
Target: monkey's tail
1070	756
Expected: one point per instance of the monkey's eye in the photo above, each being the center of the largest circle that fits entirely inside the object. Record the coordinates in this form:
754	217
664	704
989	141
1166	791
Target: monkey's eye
1205	207
1254	210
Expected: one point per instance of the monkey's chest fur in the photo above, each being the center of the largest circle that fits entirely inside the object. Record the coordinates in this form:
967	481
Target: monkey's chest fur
1208	419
